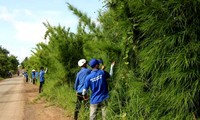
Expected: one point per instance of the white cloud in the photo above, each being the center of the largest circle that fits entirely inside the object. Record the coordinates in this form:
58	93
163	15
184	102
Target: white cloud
29	32
5	15
26	30
28	27
21	54
33	30
23	12
51	12
11	16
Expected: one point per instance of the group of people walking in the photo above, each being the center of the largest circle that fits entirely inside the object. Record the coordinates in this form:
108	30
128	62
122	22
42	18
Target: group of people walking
94	79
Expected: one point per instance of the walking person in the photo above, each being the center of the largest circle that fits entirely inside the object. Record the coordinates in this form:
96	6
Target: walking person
79	83
97	82
42	79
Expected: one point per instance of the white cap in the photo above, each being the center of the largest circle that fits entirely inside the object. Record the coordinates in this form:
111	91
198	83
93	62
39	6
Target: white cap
33	70
81	62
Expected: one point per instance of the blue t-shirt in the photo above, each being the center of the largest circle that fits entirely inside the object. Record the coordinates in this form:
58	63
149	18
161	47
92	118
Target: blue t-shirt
33	75
96	81
26	75
36	75
80	79
42	75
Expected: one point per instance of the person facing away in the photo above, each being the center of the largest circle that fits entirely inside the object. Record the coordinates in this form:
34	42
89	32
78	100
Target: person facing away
33	76
36	75
26	76
79	83
9	74
42	79
18	72
97	82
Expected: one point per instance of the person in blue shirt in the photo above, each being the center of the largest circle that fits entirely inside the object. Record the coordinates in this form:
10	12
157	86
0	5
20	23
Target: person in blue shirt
79	83
36	75
33	76
97	82
42	79
26	76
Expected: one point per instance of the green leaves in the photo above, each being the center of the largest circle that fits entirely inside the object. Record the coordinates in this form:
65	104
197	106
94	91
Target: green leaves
156	47
7	62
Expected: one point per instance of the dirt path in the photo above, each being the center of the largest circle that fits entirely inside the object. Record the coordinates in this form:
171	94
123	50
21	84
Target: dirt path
12	99
38	109
18	101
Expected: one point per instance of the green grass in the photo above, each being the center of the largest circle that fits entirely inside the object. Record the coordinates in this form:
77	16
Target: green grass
61	96
1	78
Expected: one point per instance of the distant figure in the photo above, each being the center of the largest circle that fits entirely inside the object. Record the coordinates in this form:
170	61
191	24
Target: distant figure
18	72
26	76
9	74
33	76
42	79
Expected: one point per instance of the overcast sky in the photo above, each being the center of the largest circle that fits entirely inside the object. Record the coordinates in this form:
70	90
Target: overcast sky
21	21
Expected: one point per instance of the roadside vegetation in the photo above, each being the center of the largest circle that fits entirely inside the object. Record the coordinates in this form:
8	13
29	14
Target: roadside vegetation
156	46
8	63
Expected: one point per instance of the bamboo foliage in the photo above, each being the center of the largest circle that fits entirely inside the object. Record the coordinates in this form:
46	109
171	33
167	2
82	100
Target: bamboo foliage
156	46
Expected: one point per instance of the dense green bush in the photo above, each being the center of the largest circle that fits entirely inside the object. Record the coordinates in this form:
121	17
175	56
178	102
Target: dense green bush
7	63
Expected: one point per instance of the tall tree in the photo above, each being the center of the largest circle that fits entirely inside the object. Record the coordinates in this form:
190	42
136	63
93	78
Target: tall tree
7	62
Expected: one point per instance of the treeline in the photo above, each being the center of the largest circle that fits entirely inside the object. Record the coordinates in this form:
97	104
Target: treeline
156	45
7	63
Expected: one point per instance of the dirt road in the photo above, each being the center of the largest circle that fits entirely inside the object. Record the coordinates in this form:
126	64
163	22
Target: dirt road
12	99
19	101
38	109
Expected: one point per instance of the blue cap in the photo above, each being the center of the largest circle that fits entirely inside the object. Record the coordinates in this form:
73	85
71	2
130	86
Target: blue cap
93	63
100	61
